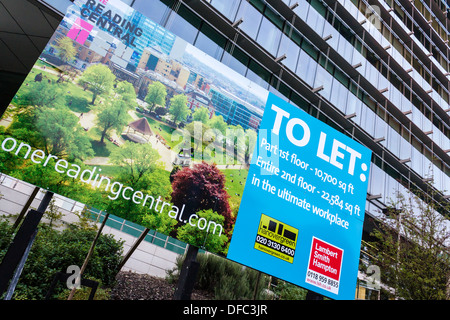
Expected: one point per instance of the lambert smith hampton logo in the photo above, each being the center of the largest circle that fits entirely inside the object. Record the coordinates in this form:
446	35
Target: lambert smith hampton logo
100	15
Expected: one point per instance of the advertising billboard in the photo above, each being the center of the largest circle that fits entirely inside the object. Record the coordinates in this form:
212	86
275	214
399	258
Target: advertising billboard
302	211
124	116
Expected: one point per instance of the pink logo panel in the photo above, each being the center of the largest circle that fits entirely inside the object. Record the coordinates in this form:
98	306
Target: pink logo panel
80	31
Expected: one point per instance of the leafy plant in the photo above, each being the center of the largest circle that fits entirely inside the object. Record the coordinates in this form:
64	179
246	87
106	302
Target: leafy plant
53	251
224	278
411	249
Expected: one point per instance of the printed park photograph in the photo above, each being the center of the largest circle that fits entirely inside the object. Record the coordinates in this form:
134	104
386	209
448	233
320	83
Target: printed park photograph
160	135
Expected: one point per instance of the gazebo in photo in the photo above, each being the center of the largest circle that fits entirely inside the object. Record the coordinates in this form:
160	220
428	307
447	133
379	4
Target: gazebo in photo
141	126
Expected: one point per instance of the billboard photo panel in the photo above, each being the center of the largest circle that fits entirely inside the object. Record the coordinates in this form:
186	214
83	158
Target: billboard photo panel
120	114
310	180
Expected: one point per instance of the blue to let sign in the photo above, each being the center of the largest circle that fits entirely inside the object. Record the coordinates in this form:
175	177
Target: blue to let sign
302	211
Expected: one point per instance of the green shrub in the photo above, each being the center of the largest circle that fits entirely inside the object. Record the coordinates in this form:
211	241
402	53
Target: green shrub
289	291
54	251
84	292
224	278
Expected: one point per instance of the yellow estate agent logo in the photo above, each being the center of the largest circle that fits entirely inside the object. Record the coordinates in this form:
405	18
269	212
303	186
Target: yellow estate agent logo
276	238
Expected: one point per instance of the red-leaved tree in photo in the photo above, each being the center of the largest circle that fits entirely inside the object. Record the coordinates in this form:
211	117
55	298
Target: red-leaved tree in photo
202	187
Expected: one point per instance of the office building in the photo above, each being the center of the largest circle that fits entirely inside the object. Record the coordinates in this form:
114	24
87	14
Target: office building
234	110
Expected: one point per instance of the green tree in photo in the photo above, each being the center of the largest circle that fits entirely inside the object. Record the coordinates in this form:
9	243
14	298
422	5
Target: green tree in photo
201	114
38	77
250	142
68	73
80	148
159	221
178	108
53	214
53	251
236	144
98	78
23	128
65	49
136	160
113	115
126	91
197	130
140	170
156	94
40	94
203	231
62	134
218	123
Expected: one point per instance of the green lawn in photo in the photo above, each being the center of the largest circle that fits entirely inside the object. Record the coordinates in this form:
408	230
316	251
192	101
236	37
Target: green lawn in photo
163	129
235	183
110	171
77	98
44	64
102	149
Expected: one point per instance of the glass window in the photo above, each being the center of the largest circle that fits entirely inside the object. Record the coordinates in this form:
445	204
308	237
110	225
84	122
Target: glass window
358	58
258	74
330	30
427	167
306	68
234	63
319	6
302	9
371	74
395	96
417	117
210	41
323	78
345	49
392	189
338	95
416	161
393	142
437	178
156	10
184	24
446	183
227	7
299	101
353	106
310	49
269	36
342	77
380	129
376	180
368	121
274	17
383	83
291	50
251	19
405	105
315	21
278	93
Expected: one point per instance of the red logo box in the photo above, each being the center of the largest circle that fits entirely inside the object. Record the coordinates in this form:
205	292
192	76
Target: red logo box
325	259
